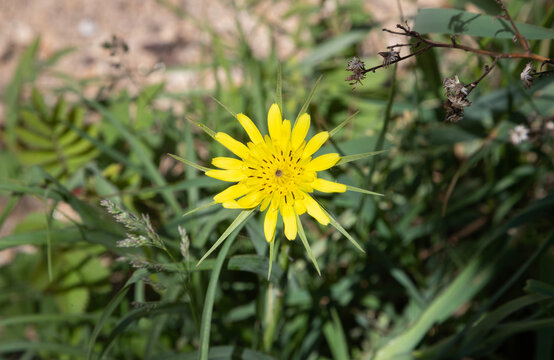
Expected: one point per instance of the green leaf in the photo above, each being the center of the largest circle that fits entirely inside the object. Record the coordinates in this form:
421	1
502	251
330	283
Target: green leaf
236	224
334	334
452	21
305	243
206	321
110	307
332	47
467	283
539	287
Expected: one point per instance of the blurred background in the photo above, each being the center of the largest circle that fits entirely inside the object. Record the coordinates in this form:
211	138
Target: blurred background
95	94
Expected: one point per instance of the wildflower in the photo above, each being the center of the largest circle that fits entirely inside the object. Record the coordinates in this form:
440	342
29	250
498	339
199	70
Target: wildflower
526	75
518	134
357	67
389	57
277	173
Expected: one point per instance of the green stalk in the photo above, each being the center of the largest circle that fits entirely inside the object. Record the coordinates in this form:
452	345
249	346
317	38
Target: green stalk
275	300
206	322
381	139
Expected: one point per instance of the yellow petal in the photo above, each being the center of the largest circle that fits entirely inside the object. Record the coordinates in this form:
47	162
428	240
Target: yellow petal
323	162
315	210
274	122
328	186
231	193
265	203
251	199
300	131
227	163
315	143
231	205
235	146
276	200
270	223
226	175
285	132
250	128
300	206
289	220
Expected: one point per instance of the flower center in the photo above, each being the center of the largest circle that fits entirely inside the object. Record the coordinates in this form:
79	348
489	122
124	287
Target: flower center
279	173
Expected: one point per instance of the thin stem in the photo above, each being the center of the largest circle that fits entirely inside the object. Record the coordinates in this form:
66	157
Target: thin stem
381	139
520	37
275	300
488	69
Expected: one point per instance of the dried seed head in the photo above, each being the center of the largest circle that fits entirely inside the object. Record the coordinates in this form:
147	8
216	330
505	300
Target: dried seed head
357	67
454	87
527	75
459	102
389	57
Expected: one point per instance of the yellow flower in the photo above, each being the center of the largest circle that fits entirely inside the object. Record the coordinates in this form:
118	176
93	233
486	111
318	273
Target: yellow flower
276	172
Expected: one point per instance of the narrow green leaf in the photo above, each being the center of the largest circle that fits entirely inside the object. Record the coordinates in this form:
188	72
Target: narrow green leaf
241	218
190	163
225	107
19	346
363	191
339	227
349	158
539	287
271	256
336	339
207	311
342	124
308	100
199	208
279	88
305	243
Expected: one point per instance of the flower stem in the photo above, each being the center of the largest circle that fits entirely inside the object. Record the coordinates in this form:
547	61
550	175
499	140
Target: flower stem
275	300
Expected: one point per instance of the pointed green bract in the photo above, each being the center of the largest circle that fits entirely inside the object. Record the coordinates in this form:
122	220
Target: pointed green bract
363	191
204	128
342	231
190	163
199	208
240	219
306	244
342	124
308	100
279	88
224	106
349	158
271	256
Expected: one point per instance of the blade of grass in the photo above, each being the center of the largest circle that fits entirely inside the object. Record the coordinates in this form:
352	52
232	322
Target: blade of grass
200	208
334	334
206	322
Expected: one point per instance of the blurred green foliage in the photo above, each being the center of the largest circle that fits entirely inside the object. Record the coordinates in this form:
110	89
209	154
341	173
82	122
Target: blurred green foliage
459	258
